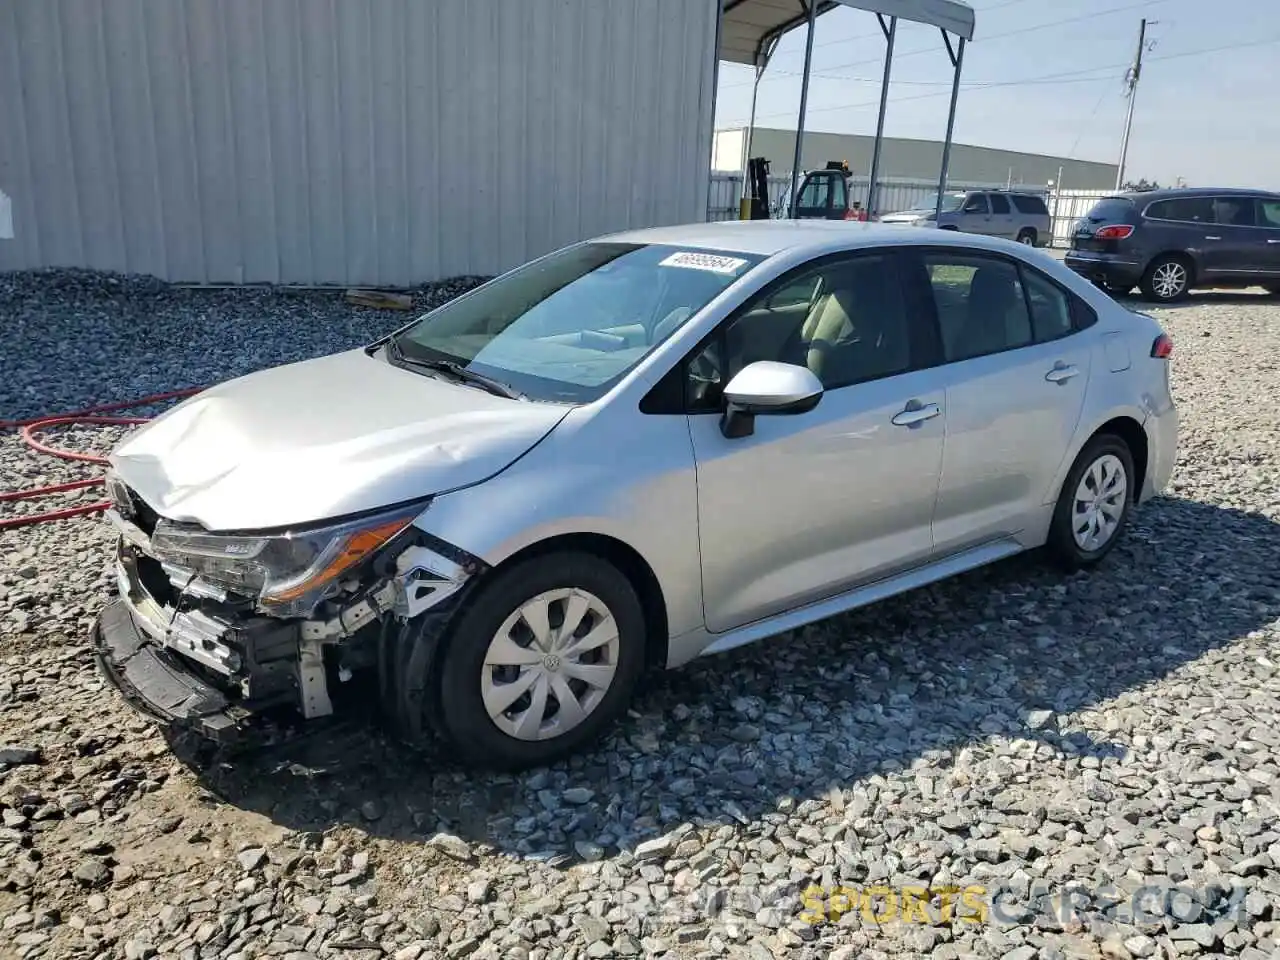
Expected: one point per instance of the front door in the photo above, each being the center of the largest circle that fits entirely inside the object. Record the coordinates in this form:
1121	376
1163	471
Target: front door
811	505
1015	376
975	215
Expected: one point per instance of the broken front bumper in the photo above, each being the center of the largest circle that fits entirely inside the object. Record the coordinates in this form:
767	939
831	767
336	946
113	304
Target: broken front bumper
214	670
157	682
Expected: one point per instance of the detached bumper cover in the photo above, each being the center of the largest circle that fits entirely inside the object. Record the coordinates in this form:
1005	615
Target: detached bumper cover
157	683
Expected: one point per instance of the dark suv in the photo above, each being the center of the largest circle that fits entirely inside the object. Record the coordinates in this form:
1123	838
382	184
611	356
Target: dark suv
1168	241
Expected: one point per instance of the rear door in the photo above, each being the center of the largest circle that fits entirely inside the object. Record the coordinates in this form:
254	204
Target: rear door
1233	247
1002	223
1015	372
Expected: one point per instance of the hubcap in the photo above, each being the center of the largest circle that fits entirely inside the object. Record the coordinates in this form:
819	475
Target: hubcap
1099	503
550	664
1169	280
1025	238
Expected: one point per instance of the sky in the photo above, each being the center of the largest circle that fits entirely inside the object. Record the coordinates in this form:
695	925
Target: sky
1047	76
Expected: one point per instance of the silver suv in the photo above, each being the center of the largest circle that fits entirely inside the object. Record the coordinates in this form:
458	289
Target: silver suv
1012	214
629	453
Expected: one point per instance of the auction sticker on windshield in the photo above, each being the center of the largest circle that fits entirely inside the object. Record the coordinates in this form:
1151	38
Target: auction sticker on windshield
704	261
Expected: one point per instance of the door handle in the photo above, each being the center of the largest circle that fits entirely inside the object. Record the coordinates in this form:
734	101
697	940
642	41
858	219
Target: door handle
916	413
1213	238
1062	372
1273	241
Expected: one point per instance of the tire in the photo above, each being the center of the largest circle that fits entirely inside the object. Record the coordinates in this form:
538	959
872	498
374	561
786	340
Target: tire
950	227
1167	279
1028	236
463	720
1098	458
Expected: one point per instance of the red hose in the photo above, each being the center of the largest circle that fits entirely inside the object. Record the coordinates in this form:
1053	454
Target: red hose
90	415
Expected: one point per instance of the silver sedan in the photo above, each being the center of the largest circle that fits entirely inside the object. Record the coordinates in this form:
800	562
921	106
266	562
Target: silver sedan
631	452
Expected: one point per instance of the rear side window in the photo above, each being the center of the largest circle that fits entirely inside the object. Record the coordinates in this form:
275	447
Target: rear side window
1268	213
1182	209
1025	204
1050	307
1234	211
1110	208
980	305
999	204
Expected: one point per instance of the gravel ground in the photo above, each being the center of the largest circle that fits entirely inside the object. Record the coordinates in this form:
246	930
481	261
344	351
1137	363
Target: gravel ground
1098	754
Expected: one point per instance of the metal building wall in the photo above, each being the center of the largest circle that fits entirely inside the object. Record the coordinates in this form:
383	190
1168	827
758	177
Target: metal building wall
346	141
919	158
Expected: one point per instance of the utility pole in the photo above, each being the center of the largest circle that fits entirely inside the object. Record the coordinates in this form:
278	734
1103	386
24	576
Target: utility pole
1132	80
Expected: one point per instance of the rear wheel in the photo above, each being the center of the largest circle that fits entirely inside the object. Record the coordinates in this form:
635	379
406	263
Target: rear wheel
1094	503
542	661
1028	236
1167	279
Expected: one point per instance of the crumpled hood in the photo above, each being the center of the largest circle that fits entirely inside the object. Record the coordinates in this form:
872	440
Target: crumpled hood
305	442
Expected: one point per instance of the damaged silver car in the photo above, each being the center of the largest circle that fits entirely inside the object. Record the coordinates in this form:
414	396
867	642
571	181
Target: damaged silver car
621	456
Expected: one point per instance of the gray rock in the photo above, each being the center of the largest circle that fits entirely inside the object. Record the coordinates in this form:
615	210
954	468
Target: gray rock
92	873
12	755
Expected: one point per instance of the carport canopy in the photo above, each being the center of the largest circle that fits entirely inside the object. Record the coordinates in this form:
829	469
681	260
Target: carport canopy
750	31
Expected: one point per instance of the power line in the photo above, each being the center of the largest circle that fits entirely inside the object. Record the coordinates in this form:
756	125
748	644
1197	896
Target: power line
1052	78
912	53
872	36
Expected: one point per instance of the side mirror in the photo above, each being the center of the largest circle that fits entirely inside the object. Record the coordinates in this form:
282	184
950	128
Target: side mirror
767	387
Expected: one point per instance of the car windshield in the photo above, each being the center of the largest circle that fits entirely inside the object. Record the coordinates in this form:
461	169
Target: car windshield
567	327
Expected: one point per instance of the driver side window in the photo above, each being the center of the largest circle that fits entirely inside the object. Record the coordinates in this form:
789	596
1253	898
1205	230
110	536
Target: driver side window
844	320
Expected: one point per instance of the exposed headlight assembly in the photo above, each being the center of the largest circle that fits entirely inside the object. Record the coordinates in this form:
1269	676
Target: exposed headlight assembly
287	573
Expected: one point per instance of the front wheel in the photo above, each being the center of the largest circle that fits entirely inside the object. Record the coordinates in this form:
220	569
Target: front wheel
1094	503
1027	236
545	657
1167	279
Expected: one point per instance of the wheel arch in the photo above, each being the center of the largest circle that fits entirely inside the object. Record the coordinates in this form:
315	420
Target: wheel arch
1135	438
1193	264
1125	424
630	563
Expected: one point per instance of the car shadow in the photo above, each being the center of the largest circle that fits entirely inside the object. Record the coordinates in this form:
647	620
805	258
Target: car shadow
1202	298
933	671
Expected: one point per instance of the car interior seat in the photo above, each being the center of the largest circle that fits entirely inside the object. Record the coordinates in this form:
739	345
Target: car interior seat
994	296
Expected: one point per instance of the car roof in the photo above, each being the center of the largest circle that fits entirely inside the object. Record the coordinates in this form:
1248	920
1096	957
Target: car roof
770	237
1146	196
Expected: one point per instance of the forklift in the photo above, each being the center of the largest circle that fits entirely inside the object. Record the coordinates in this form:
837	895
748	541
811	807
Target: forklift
826	195
755	204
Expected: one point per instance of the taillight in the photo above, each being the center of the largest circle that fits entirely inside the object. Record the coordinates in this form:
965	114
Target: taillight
1162	348
1117	231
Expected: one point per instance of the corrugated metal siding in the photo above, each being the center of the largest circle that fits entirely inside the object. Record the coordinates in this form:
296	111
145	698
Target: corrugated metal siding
346	141
920	159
